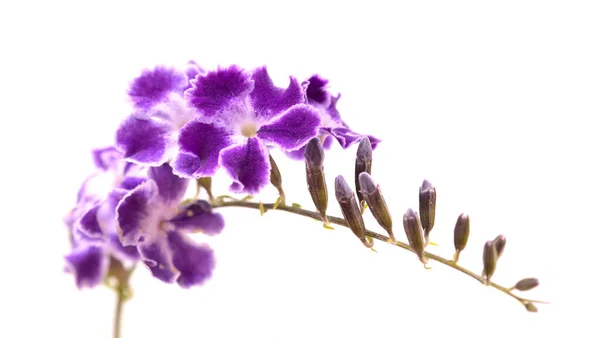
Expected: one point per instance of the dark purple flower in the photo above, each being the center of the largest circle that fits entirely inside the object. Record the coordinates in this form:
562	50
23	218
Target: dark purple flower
332	125
92	222
151	217
248	114
149	135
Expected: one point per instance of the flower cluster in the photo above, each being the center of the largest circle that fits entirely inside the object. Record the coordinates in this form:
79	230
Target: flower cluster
185	125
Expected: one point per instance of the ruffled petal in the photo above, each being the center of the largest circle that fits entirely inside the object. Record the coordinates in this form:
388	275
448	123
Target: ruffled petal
137	214
215	91
144	141
157	256
292	129
106	158
200	144
347	137
130	182
154	86
89	225
194	262
171	188
269	101
316	90
89	264
199	217
248	165
123	252
192	70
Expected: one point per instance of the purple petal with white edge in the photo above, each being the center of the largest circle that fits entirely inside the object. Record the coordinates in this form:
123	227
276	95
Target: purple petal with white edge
215	91
199	217
89	264
191	71
293	129
89	225
171	188
130	182
347	137
269	101
154	86
248	164
106	158
158	258
144	141
299	153
124	252
137	213
316	91
332	111
199	144
195	262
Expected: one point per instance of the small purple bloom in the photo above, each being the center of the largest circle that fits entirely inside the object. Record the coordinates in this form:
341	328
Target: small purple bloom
149	135
332	125
249	114
92	222
151	217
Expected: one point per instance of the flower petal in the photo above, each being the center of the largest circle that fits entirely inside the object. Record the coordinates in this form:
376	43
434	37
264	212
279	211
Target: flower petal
299	153
123	252
157	256
89	264
171	188
316	91
130	182
292	129
200	144
137	214
213	92
154	86
199	217
106	158
347	137
89	225
248	165
195	262
269	101
144	141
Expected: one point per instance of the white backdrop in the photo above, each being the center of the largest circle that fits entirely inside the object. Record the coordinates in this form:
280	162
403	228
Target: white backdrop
493	103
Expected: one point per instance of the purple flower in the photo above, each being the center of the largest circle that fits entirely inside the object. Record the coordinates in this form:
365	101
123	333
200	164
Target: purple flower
332	125
149	135
92	222
249	114
150	217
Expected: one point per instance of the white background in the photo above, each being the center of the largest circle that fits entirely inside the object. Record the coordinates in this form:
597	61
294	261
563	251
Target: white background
495	103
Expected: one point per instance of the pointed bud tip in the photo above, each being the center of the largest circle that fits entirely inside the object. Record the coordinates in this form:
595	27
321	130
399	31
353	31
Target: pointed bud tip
427	186
313	153
342	189
365	150
367	184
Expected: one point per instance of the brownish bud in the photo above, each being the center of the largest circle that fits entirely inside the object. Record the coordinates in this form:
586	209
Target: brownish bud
530	307
490	257
414	233
374	198
526	284
315	176
276	179
350	209
427	198
500	243
364	159
461	234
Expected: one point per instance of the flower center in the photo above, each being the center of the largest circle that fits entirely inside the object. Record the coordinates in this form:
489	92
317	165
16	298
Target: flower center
249	129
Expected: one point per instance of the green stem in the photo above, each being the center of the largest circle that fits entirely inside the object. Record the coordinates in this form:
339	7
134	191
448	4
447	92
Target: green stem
375	235
118	312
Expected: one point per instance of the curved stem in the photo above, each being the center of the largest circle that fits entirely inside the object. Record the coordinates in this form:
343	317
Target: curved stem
372	234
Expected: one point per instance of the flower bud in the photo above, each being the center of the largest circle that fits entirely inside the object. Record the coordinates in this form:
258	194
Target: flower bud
364	158
530	307
350	209
490	257
427	198
374	198
526	284
500	243
414	233
461	234
276	179
315	176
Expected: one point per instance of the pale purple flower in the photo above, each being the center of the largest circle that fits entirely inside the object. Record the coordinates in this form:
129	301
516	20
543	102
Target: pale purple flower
332	126
92	222
248	114
149	135
151	217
